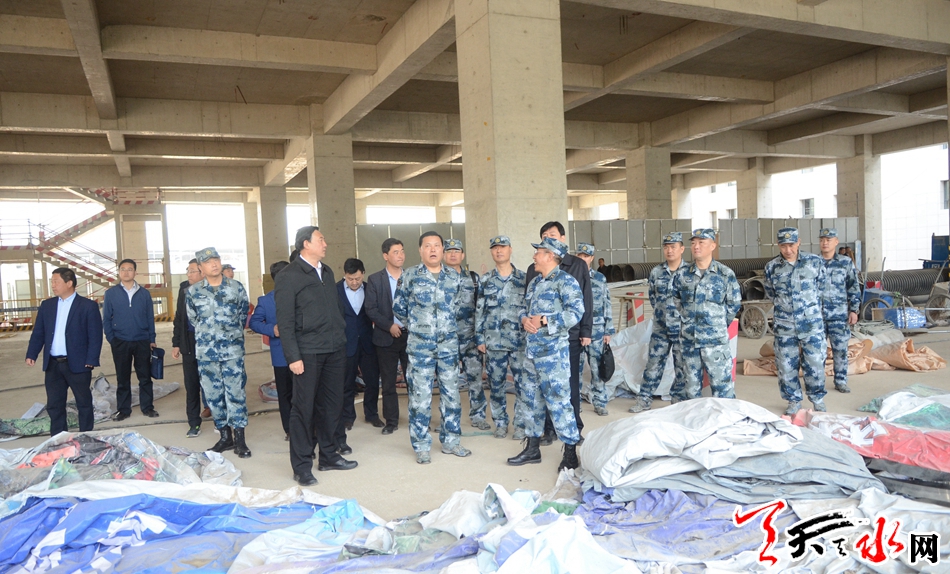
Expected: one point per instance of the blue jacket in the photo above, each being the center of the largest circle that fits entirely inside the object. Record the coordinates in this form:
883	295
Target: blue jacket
125	320
359	328
263	321
83	333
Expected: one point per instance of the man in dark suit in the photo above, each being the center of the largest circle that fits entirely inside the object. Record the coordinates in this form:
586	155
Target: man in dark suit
360	354
389	336
183	346
68	329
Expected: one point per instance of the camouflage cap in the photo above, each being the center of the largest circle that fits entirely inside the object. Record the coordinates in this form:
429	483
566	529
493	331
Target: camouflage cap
585	249
704	233
499	240
553	245
227	266
674	237
787	235
828	232
451	244
206	254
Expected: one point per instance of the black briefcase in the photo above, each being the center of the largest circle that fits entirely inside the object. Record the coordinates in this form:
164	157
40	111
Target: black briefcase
606	368
158	363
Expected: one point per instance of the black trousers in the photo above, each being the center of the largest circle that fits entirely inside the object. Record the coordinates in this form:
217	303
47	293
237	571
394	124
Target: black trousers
575	351
284	380
189	367
59	379
124	354
317	404
388	357
366	364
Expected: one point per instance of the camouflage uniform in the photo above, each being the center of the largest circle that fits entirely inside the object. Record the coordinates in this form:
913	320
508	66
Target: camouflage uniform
219	315
665	336
558	297
498	327
603	324
428	307
841	295
706	301
795	290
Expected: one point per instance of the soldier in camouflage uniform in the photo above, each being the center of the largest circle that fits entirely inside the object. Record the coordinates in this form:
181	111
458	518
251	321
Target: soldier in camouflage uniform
499	335
840	300
218	308
427	302
470	361
666	328
794	282
554	303
707	298
603	328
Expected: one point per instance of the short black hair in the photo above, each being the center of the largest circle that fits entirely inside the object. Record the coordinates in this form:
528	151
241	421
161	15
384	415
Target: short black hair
431	234
551	224
294	255
388	244
124	261
276	267
67	275
193	260
305	233
352	265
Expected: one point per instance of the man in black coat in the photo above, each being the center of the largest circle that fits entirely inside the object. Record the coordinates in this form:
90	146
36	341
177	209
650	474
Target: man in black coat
313	333
183	345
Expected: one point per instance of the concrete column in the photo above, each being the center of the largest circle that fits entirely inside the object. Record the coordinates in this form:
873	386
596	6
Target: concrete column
170	291
649	184
131	243
512	120
754	191
678	193
45	279
252	239
859	195
361	212
273	218
332	195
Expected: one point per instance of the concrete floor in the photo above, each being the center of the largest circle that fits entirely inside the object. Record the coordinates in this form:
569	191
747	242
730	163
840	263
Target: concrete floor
388	481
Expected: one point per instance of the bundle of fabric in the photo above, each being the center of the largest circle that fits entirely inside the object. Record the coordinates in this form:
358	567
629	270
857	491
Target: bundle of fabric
902	355
915	406
860	361
731	449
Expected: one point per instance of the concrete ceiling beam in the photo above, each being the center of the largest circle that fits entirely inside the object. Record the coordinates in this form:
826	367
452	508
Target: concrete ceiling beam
32	144
443	155
212	48
820	126
423	32
614	176
700	87
859	74
755	143
84	25
371	154
95	176
871	103
922	25
934	133
721	164
383	180
578	160
676	47
775	165
929	102
693	159
279	172
590	183
36	36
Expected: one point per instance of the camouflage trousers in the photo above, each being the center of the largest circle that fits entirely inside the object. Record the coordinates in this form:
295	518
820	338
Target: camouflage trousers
497	365
839	333
470	378
789	352
423	369
717	362
223	383
660	346
548	384
598	388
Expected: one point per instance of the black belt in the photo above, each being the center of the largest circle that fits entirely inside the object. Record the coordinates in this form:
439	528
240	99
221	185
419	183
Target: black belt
61	359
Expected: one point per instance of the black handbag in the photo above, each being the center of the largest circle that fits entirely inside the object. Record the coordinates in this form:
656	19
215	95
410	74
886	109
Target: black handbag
158	363
606	368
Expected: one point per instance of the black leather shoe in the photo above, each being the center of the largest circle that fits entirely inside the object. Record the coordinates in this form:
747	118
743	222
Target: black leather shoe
150	414
344	449
388	429
341	464
377	423
118	416
548	438
305	479
349	425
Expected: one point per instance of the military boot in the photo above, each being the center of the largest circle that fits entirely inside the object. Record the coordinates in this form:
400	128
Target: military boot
226	442
570	458
240	447
641	404
548	438
530	455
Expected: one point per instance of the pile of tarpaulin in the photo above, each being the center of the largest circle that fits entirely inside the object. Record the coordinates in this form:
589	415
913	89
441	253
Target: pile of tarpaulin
709	485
